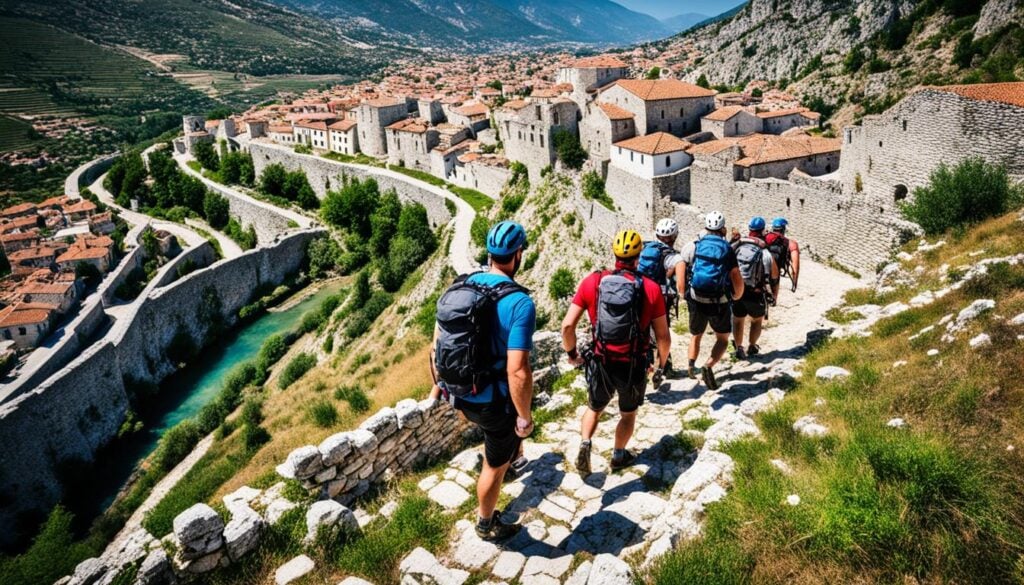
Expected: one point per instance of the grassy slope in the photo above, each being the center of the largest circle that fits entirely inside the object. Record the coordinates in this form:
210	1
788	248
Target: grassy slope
940	501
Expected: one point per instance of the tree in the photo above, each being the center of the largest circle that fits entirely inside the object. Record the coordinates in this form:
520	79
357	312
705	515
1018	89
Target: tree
561	284
351	206
272	180
653	73
414	224
757	92
323	256
215	210
970	192
703	81
293	184
189	192
306	198
569	150
206	155
384	223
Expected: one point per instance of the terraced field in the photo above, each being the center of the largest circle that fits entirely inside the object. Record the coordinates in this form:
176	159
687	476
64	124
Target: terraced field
14	134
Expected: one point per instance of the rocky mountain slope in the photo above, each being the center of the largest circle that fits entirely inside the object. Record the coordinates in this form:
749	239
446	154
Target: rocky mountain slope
856	57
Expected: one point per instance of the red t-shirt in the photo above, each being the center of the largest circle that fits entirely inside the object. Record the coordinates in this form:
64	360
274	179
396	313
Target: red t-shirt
653	304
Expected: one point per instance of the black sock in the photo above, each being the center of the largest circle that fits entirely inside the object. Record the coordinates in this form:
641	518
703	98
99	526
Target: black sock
484	522
693	363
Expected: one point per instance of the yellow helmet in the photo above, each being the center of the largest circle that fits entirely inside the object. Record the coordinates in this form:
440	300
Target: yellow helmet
627	244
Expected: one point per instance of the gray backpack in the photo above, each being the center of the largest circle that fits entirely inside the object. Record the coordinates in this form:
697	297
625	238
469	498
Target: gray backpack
619	303
749	257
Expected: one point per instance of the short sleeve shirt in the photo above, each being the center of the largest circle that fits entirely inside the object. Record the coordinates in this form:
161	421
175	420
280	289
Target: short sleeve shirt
689	254
517	320
653	303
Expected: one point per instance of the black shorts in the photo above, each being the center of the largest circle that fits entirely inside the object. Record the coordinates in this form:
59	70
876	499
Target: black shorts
752	304
717	315
497	420
606	380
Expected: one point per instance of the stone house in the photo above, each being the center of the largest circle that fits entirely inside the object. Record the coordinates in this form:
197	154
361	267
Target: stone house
19	241
651	155
343	137
26	324
486	173
443	159
475	117
194	128
102	224
53	203
731	121
527	129
95	250
779	121
281	133
20	210
312	134
603	125
762	156
588	74
61	294
430	110
893	153
373	117
645	170
28	260
79	210
409	143
19	224
661	105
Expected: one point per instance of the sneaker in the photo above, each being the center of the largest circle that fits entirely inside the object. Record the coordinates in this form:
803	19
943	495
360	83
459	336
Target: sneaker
495	530
709	379
740	354
583	460
753	350
693	372
517	468
623	462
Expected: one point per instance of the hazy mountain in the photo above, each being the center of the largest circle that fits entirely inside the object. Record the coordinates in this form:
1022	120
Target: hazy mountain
682	22
666	9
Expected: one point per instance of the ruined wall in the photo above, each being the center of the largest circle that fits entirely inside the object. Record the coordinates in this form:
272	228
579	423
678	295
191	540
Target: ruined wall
487	179
906	143
80	408
325	174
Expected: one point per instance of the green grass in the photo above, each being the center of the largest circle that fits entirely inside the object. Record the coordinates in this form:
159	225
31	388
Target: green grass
296	368
418	174
323	413
477	200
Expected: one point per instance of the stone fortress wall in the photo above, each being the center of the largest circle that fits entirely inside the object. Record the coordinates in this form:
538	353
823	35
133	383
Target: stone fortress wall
88	173
69	416
325	174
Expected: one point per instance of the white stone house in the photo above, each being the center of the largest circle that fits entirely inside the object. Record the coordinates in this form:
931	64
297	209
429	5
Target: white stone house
652	155
661	105
473	116
764	156
589	74
603	125
281	133
312	134
410	142
731	121
343	137
373	117
527	129
26	324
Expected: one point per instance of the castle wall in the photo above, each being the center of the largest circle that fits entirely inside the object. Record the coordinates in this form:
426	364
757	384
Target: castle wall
372	121
487	179
87	174
72	414
325	174
906	143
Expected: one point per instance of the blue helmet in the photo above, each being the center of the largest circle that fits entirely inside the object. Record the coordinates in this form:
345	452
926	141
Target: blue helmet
779	223
506	238
757	223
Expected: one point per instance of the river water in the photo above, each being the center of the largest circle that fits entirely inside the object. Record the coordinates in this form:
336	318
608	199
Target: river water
182	395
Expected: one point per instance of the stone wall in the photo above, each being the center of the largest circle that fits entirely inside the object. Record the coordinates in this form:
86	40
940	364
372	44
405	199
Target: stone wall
487	179
632	196
392	441
325	174
79	409
87	174
131	260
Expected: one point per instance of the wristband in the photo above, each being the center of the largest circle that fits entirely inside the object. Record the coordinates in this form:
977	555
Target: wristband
573	353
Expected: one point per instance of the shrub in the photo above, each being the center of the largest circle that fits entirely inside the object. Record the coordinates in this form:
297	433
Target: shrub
512	202
593	188
968	193
355	396
427	315
206	156
569	150
215	210
53	553
176	444
561	284
295	369
323	413
479	230
272	180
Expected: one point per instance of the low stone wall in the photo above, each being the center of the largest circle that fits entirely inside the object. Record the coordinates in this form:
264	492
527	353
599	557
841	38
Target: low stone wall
87	174
344	466
69	416
201	256
132	260
325	174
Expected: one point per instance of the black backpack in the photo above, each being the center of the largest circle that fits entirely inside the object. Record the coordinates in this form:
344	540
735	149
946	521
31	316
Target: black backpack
778	247
750	260
617	322
464	355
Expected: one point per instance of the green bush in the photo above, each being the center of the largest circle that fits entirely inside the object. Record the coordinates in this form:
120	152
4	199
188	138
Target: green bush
53	554
593	188
562	284
295	369
568	148
512	202
479	230
427	315
216	210
357	399
970	192
323	413
176	444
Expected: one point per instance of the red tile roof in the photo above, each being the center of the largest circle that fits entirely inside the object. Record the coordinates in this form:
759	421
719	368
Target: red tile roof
663	89
766	148
723	114
655	143
343	125
83	206
614	112
414	125
18	209
598	62
24	314
788	112
1008	93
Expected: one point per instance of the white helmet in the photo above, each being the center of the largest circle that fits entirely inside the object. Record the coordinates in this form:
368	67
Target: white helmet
667	228
714	221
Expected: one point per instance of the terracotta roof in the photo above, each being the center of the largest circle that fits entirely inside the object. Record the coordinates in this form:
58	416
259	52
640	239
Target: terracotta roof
662	89
515	104
723	114
384	102
766	148
1008	93
469	157
20	236
32	253
655	143
598	62
343	125
489	91
789	112
54	201
300	117
714	146
24	314
322	126
81	206
75	254
20	208
548	92
281	129
212	123
614	112
45	288
414	125
470	110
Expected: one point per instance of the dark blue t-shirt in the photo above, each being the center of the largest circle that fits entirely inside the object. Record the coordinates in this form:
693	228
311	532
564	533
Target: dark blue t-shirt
517	319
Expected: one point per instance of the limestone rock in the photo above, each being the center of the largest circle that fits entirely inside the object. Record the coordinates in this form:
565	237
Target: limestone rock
293	570
302	463
242	534
363	441
382	424
896	423
468	460
710	467
155	568
970	313
810	427
241	498
831	373
472	552
793	500
388	510
448	494
354	581
198	531
731	429
88	572
508	565
1018	320
335	448
277	509
408	414
932	352
581	574
782	466
979	341
540	565
423	567
201	565
994	15
557	401
328	515
609	570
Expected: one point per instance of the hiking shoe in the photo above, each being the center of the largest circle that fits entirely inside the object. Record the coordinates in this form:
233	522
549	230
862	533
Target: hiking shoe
517	468
693	372
753	350
625	461
709	379
583	460
740	354
495	530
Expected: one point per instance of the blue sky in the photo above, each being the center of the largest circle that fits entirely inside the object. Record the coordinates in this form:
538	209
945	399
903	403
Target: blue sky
666	8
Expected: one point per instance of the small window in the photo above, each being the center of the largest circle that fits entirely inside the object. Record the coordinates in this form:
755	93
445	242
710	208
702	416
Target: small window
668	161
904	125
641	159
900	193
7	334
663	114
670	126
555	114
682	112
22	331
787	202
631	156
879	144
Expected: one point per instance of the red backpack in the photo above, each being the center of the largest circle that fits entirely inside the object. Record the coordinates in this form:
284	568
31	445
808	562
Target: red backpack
778	247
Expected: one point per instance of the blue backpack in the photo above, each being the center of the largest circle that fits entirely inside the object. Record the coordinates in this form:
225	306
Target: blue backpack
708	275
652	261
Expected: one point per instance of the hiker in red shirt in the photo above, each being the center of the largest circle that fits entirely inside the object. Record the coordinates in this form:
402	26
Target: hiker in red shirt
623	308
786	253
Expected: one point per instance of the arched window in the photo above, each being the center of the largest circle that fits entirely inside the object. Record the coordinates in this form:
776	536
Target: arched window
900	193
555	117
